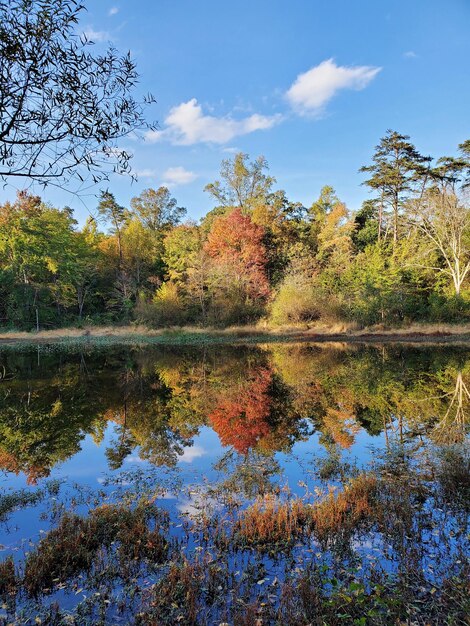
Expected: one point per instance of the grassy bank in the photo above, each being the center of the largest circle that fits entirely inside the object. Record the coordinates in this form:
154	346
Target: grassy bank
414	333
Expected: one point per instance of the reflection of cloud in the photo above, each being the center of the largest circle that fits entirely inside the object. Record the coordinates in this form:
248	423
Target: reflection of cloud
167	495
124	483
188	507
197	503
191	453
134	459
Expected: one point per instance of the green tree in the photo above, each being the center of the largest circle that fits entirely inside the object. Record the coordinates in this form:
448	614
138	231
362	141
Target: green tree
397	170
157	209
41	258
243	184
182	246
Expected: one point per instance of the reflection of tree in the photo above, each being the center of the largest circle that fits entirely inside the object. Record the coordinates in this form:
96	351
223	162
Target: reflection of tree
257	413
43	419
451	427
403	394
251	474
341	425
260	401
241	418
142	419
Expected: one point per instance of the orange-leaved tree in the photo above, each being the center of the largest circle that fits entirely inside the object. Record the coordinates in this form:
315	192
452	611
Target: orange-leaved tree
239	283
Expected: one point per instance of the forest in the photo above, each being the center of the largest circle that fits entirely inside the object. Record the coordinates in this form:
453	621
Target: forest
256	256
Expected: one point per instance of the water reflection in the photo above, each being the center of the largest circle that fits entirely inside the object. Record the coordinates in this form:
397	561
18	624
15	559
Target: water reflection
259	401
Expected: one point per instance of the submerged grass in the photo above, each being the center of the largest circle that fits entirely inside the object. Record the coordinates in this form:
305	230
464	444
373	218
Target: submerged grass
270	520
73	546
8	579
284	560
23	498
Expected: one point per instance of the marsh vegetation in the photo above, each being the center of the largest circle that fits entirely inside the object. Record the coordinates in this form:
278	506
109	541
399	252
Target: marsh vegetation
252	485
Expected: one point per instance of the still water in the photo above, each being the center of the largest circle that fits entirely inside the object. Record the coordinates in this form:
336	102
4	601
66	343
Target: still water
199	422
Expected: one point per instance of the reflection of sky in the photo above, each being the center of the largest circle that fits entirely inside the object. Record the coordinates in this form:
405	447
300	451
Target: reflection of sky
91	463
89	468
194	468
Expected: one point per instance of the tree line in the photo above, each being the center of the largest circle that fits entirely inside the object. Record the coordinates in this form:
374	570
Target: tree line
403	256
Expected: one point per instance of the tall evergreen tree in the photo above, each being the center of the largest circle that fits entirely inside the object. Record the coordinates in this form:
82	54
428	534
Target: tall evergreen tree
396	171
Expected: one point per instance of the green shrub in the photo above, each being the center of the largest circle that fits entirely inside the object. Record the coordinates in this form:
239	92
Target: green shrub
166	309
295	302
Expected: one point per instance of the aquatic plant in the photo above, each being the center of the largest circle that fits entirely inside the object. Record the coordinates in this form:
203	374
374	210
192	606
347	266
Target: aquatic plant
75	543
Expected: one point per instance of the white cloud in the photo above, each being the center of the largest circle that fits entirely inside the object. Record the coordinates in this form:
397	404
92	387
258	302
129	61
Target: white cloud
97	36
178	176
410	54
312	90
113	11
186	125
146	173
152	136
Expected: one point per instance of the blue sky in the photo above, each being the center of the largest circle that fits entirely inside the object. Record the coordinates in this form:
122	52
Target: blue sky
312	85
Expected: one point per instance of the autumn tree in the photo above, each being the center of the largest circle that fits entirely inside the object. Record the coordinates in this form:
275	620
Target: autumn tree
333	228
141	262
116	215
286	228
238	276
308	287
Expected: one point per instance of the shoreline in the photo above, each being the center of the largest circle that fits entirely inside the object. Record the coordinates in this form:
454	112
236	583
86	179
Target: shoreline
414	334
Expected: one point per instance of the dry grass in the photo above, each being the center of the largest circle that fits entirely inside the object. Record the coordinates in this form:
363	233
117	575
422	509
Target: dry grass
176	598
73	545
8	580
344	511
343	330
270	521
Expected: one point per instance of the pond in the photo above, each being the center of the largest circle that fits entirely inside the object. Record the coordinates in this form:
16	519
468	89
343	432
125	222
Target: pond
272	484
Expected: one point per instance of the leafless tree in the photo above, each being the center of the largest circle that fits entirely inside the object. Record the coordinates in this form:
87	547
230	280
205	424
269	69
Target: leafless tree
443	220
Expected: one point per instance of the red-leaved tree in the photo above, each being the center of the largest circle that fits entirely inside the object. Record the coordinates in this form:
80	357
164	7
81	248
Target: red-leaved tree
235	245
